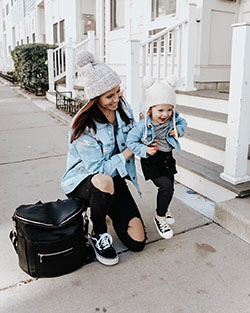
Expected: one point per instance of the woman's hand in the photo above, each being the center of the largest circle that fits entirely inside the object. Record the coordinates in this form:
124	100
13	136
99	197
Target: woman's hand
127	153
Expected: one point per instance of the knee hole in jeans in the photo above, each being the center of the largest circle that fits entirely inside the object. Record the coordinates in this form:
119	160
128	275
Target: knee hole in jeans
103	182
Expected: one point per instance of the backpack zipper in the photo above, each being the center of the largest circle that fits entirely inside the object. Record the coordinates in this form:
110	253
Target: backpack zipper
46	224
41	255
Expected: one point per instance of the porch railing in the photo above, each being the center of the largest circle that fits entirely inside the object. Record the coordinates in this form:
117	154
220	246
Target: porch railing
159	53
61	61
171	51
66	103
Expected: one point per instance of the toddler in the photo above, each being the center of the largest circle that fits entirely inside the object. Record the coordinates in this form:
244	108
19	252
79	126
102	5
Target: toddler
153	139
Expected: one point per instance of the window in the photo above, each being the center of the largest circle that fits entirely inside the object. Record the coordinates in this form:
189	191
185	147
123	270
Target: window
33	37
28	40
55	37
117	14
21	42
161	8
62	31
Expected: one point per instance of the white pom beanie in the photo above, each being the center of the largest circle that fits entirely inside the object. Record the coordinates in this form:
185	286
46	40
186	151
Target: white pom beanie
95	77
159	92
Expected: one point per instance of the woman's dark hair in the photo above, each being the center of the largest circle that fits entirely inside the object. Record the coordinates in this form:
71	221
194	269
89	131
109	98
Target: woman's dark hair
86	118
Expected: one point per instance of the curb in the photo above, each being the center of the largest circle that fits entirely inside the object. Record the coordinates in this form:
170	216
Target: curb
59	115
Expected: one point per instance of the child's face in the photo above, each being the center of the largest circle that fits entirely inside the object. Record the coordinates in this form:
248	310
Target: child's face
160	113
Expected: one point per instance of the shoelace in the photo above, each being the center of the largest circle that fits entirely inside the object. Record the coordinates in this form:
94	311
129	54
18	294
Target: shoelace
163	226
104	242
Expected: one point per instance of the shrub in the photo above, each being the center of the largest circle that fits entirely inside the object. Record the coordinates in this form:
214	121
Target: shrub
31	69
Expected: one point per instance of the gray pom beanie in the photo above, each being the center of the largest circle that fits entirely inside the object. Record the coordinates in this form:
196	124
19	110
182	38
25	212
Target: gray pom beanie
95	77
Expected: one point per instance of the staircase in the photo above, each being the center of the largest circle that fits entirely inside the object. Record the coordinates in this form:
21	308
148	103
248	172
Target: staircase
203	146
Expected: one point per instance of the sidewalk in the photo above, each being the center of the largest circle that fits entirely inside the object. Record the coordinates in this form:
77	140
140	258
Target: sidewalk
202	269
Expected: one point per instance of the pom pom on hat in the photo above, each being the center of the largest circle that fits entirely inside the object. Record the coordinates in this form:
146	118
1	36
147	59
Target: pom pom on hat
171	80
96	78
148	81
83	58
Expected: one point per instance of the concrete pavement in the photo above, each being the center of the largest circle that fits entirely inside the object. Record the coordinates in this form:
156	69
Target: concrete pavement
202	269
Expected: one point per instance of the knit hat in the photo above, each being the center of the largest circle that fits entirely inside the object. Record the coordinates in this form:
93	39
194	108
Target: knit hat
159	92
95	77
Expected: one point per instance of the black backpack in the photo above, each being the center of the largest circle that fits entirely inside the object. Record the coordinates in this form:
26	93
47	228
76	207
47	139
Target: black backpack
51	238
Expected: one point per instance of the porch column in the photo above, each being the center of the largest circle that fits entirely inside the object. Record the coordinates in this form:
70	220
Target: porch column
191	44
70	66
238	126
133	76
91	44
100	28
51	70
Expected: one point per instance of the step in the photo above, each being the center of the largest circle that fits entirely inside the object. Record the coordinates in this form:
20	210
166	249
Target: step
206	121
202	113
203	176
205	145
61	88
51	96
234	215
196	100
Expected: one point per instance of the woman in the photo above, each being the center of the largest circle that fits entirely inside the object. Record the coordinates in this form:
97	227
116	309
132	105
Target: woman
98	160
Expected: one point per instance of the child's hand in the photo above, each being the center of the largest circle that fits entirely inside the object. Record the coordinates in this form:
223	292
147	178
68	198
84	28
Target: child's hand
172	133
153	143
151	150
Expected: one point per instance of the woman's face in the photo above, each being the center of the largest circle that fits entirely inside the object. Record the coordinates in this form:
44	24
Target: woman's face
109	100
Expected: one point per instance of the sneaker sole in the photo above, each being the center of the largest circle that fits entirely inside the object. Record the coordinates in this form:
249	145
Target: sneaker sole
105	261
167	235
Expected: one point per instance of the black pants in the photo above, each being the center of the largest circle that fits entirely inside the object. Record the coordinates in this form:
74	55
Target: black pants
120	207
165	193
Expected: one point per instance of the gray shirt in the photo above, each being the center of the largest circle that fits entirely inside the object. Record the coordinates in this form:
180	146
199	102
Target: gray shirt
160	134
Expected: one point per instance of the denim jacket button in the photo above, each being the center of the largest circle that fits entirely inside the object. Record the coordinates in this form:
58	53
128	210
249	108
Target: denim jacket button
123	144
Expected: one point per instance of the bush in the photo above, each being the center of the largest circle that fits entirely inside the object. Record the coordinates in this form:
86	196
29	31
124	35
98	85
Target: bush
31	69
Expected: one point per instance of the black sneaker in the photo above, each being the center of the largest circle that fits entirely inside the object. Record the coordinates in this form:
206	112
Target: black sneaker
163	228
104	251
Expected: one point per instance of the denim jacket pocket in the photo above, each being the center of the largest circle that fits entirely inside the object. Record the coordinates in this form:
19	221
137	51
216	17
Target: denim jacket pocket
127	128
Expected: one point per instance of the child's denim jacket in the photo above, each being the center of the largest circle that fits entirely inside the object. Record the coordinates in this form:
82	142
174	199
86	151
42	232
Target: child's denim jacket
92	153
136	142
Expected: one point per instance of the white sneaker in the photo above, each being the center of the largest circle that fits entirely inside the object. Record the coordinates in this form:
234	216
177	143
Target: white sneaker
170	219
163	228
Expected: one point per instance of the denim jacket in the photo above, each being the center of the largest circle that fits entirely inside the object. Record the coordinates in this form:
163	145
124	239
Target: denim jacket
92	153
135	137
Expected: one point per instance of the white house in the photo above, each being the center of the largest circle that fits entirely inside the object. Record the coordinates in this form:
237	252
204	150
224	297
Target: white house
194	40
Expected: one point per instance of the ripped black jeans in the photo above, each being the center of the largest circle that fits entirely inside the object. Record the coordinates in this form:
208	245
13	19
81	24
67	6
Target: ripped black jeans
120	207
